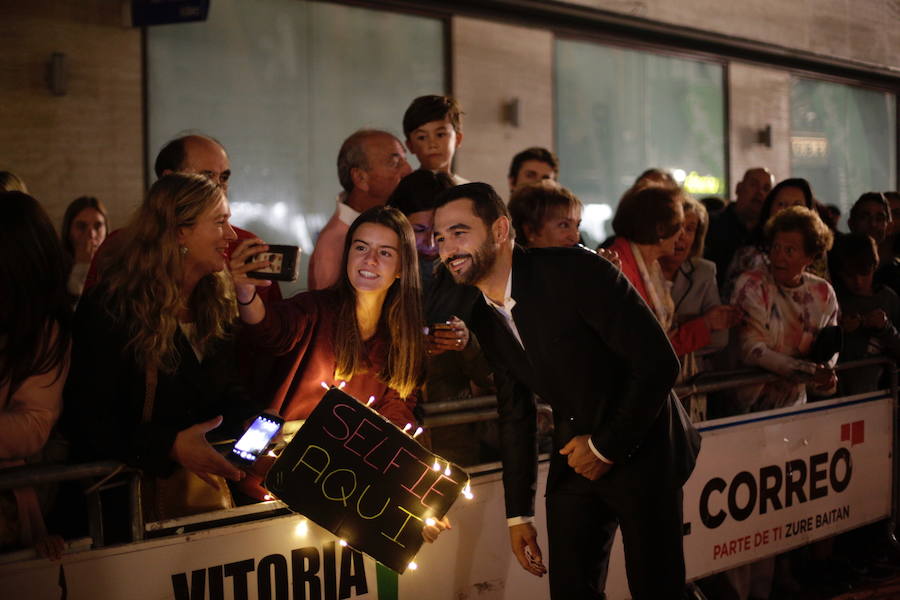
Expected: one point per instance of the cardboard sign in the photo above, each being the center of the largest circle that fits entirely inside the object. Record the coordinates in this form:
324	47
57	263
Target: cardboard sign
357	475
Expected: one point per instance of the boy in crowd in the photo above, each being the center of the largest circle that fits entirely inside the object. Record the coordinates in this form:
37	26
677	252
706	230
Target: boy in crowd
433	129
869	311
531	166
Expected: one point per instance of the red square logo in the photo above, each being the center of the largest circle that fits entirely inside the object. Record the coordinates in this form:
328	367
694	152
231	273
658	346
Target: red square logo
858	433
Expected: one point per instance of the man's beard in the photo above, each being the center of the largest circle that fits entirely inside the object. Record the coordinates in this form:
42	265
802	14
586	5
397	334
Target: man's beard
482	261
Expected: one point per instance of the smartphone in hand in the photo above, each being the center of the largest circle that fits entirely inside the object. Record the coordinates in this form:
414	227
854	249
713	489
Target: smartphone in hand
255	440
283	263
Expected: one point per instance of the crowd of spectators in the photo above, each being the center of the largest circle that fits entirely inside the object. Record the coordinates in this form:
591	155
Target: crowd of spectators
148	370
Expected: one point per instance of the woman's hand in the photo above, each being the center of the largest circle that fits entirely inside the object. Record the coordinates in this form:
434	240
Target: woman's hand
452	335
431	532
50	546
824	378
246	286
611	255
193	452
723	316
876	319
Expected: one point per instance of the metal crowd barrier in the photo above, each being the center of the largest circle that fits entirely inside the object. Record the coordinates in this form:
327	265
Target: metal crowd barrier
102	475
95	476
484	408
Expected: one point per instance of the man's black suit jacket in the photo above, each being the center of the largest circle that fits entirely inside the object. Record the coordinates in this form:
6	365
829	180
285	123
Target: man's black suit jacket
596	353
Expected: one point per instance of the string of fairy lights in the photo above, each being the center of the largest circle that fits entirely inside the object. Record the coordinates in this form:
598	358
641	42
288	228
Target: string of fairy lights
302	527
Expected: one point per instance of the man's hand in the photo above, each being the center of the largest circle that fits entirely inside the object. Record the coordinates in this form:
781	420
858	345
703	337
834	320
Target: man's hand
523	539
824	378
450	336
611	255
723	316
583	460
431	532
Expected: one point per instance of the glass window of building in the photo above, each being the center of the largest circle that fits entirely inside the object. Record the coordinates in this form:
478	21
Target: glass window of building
620	112
843	140
281	84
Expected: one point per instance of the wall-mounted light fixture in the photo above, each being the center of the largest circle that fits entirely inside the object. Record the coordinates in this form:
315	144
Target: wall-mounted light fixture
764	136
57	77
511	112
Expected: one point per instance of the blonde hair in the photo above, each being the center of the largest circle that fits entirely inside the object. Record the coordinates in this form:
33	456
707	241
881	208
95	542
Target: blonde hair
402	312
692	206
10	182
142	276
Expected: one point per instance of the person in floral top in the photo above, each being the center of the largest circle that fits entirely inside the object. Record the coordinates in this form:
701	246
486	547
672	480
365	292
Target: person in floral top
785	308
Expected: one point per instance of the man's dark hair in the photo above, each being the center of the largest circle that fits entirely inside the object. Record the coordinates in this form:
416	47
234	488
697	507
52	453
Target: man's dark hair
173	154
417	191
533	153
713	204
854	254
875	197
531	205
426	109
794	182
485	201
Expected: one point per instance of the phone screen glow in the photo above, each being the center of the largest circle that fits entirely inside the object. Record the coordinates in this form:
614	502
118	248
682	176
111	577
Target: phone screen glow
255	440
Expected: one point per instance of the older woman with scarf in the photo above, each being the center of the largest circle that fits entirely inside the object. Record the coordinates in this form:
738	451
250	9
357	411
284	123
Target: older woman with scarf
648	224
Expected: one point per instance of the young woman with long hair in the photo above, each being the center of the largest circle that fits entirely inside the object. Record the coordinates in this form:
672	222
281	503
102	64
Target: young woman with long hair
648	225
84	228
363	334
365	331
35	336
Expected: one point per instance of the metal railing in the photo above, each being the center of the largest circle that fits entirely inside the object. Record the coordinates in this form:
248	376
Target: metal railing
99	476
484	408
95	476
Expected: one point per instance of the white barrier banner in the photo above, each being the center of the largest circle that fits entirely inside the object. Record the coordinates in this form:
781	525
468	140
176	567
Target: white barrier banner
764	483
290	557
771	481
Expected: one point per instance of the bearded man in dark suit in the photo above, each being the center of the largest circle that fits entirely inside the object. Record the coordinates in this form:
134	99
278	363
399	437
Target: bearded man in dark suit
565	324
